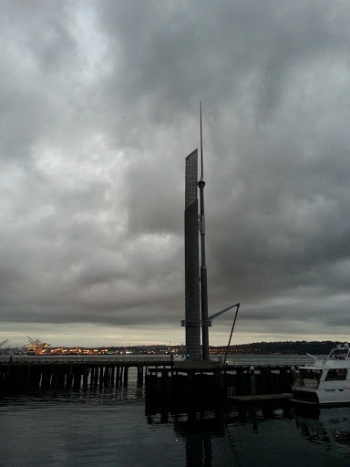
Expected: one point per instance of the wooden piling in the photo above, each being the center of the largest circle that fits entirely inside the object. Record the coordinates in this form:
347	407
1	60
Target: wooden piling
126	376
139	376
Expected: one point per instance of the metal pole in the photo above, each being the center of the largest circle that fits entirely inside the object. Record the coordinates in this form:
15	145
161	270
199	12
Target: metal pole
204	287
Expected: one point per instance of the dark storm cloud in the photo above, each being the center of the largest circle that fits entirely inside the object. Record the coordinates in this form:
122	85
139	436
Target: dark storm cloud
99	104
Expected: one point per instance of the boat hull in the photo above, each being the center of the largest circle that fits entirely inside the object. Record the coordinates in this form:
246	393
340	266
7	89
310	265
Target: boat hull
323	397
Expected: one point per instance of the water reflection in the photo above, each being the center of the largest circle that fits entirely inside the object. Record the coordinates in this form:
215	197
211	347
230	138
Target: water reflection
113	426
198	437
240	427
204	432
197	430
327	426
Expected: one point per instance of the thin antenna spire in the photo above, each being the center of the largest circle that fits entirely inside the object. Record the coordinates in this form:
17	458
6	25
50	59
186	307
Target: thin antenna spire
201	139
203	274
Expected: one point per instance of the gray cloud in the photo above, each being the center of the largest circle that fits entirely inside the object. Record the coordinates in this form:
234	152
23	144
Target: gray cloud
99	107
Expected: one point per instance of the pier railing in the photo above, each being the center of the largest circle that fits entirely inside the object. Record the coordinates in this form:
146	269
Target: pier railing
270	360
102	359
147	360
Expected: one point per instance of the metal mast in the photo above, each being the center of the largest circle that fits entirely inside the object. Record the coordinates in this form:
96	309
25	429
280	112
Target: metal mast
203	275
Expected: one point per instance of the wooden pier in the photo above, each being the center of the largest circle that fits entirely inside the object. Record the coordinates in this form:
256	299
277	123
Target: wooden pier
169	384
23	373
210	385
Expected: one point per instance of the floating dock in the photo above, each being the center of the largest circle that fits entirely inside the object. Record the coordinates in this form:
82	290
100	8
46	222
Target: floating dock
261	398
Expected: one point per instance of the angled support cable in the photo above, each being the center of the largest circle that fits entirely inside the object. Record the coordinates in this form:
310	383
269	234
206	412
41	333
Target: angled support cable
232	329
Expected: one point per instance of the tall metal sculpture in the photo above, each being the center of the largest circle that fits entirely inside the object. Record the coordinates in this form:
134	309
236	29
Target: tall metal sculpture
192	317
196	286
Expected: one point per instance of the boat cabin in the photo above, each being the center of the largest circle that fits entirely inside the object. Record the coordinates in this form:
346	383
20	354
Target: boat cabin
340	352
325	382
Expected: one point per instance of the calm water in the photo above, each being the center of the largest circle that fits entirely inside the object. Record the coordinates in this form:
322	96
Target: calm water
111	428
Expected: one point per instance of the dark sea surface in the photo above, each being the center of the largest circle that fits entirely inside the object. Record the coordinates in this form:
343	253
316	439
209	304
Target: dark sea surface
110	427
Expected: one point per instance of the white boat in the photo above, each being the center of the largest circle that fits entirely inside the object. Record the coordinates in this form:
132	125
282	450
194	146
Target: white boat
325	382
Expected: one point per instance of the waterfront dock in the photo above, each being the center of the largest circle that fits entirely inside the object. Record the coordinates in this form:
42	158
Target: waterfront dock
168	381
211	385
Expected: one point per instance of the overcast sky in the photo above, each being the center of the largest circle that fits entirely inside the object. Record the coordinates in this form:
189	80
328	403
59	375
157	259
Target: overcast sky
100	107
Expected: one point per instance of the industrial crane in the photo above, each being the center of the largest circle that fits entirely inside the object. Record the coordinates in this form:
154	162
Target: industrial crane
36	347
3	343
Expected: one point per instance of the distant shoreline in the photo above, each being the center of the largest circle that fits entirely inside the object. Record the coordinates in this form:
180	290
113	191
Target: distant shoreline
265	348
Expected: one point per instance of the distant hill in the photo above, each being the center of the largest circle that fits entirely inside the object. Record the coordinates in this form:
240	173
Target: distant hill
296	348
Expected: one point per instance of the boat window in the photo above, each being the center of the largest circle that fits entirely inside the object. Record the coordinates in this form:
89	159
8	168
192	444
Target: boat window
336	374
310	374
340	353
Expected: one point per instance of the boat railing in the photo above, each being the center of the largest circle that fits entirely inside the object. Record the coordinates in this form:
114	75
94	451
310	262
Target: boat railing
270	360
